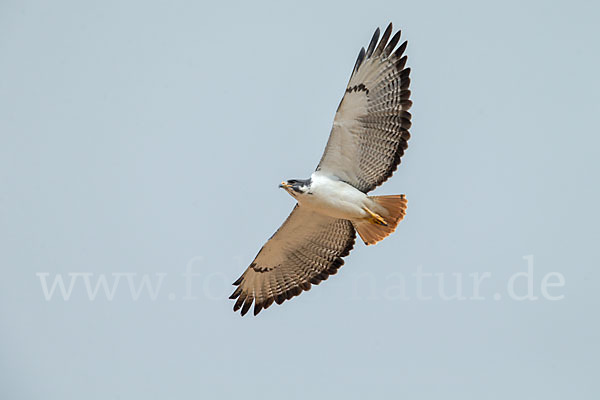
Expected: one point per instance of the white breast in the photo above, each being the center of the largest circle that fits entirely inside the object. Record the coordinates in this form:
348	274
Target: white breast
330	196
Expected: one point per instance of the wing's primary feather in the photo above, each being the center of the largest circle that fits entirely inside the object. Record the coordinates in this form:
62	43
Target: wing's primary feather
370	129
304	251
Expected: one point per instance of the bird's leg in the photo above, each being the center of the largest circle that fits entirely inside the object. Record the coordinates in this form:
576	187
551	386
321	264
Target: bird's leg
375	218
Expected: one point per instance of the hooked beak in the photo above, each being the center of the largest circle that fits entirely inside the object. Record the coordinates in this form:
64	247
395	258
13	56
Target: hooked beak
284	185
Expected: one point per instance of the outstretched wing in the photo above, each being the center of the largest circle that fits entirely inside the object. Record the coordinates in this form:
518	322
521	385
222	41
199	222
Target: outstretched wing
305	250
370	130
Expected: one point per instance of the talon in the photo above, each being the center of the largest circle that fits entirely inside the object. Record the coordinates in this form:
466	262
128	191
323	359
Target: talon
376	218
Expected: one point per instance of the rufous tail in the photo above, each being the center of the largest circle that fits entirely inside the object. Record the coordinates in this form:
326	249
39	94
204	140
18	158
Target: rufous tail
383	219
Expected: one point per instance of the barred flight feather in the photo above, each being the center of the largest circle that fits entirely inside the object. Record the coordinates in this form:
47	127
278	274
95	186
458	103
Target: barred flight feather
304	251
372	116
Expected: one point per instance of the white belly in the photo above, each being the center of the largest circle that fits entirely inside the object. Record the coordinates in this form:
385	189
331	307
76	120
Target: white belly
334	198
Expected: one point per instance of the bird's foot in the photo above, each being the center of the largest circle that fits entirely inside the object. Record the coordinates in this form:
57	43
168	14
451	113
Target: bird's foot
375	218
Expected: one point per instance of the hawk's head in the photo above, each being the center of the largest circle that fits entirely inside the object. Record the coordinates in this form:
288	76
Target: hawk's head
296	186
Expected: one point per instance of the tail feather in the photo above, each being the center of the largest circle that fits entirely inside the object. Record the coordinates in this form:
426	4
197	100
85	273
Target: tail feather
391	209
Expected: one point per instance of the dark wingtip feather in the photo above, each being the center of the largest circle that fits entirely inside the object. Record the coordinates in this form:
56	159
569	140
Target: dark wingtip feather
289	294
280	298
236	293
400	50
247	305
390	46
359	59
405	73
268	302
401	63
239	281
406	104
383	41
239	303
389	29
405	83
314	280
374	40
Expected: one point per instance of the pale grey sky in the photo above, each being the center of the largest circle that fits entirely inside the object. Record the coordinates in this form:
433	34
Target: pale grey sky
142	137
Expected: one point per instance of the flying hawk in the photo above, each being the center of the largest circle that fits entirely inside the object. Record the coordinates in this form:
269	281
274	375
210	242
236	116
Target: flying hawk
369	135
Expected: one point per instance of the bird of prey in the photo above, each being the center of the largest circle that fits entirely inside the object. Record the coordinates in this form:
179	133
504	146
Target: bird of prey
369	135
